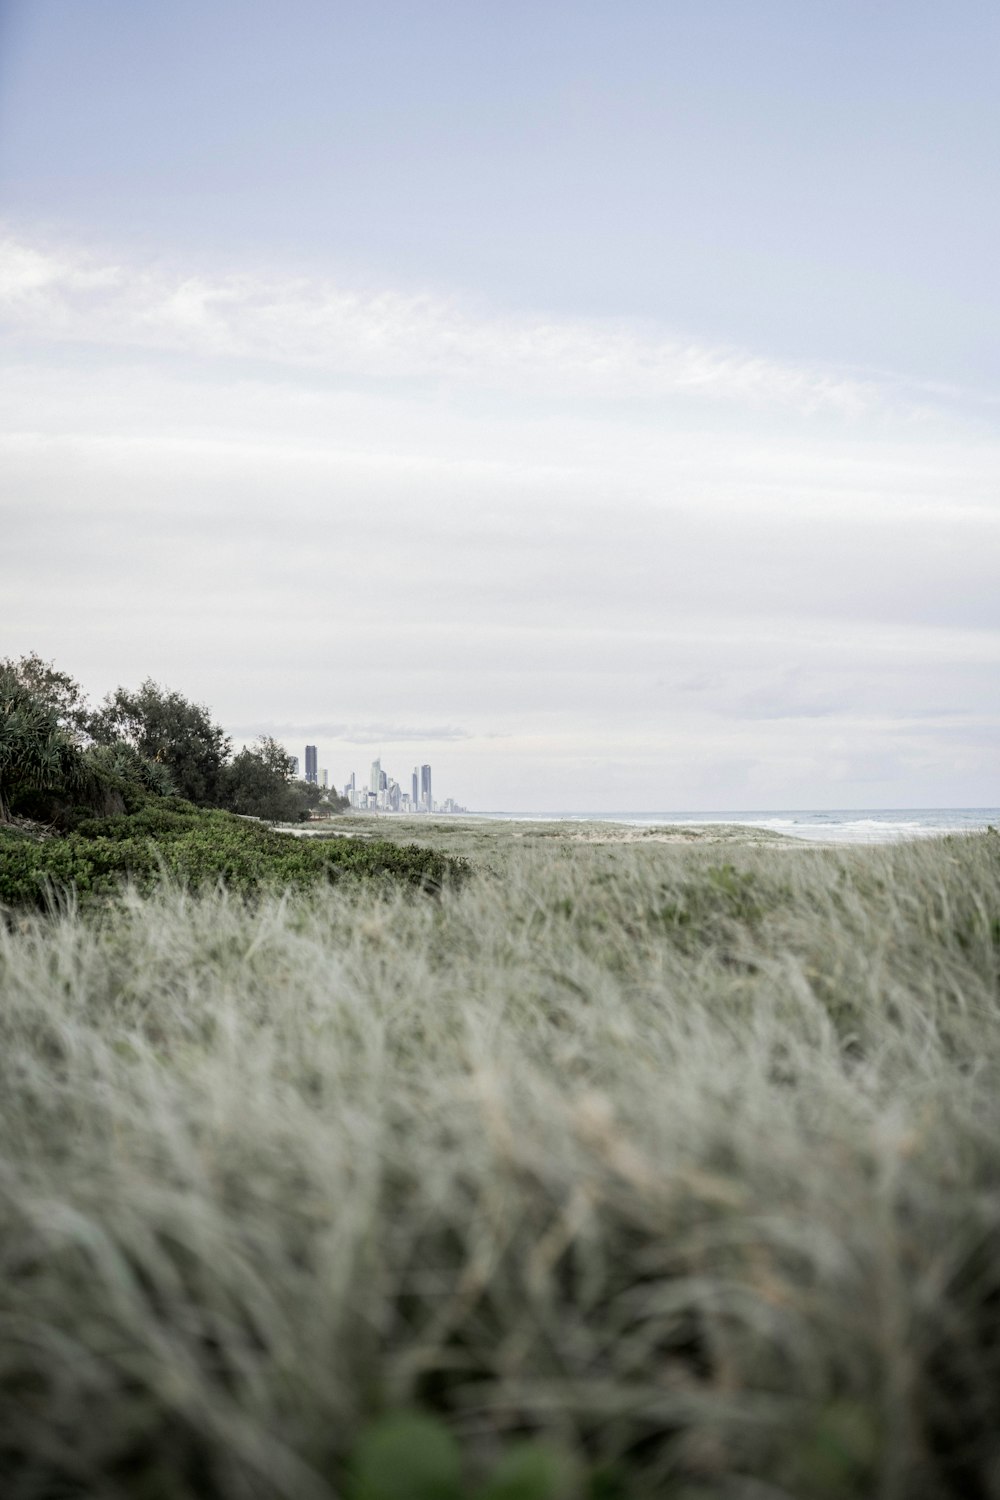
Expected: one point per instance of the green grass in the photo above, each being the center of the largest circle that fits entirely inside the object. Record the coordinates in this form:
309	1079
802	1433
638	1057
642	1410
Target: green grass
680	1163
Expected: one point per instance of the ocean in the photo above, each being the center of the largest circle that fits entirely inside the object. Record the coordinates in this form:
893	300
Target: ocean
869	825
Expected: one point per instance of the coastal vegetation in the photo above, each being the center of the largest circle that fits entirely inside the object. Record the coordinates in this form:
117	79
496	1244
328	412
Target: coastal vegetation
621	1167
145	788
194	847
61	760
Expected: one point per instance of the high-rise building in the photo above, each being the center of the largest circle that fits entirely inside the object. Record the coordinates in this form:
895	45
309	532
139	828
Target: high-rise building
375	776
415	798
324	777
426	800
311	761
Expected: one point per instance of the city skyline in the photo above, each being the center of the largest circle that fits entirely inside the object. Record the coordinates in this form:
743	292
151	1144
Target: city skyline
382	792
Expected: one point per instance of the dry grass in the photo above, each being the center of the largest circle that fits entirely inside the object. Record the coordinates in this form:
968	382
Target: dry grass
688	1158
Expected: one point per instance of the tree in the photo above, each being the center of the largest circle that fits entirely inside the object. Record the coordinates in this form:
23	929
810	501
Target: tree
332	802
36	753
47	772
56	691
319	799
274	756
257	783
167	728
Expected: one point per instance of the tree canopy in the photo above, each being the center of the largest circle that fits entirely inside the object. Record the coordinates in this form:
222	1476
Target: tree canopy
35	750
167	728
258	782
57	754
55	691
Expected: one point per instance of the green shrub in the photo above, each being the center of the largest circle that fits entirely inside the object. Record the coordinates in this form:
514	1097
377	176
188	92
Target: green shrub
196	847
413	1456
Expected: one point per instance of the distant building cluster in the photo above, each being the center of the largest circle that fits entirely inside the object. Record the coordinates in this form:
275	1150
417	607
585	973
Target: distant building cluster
383	793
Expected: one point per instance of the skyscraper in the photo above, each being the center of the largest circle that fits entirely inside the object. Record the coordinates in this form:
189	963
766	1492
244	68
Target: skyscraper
311	762
416	788
426	800
375	775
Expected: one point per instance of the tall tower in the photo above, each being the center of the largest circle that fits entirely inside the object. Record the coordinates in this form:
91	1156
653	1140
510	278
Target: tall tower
375	775
426	800
311	763
415	799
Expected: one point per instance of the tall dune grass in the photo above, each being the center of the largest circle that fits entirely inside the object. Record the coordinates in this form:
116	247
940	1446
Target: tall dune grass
687	1160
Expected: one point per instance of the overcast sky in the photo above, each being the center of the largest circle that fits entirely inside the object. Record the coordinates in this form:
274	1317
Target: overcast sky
597	400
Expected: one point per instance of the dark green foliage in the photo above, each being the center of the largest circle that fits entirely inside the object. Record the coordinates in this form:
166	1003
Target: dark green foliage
406	1457
47	772
36	752
132	770
165	727
257	783
55	691
530	1471
196	846
60	761
410	1456
322	800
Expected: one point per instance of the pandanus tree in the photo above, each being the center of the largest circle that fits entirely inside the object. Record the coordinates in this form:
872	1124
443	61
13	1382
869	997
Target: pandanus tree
47	766
36	752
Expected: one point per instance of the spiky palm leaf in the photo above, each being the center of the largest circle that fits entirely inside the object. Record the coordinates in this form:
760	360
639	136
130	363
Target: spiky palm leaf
35	753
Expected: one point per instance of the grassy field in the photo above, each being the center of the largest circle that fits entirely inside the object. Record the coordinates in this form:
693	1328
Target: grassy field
492	840
680	1158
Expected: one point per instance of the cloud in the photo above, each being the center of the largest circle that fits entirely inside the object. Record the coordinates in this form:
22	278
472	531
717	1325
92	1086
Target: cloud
360	734
510	545
322	325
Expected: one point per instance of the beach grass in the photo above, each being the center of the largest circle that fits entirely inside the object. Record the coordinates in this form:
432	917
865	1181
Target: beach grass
681	1158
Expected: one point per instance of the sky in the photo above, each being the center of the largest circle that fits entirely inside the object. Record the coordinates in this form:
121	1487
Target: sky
598	401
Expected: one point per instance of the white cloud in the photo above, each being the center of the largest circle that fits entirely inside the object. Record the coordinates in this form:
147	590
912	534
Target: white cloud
322	326
357	734
581	565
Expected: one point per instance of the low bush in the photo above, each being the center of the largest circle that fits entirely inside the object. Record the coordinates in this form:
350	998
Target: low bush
195	847
409	1456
